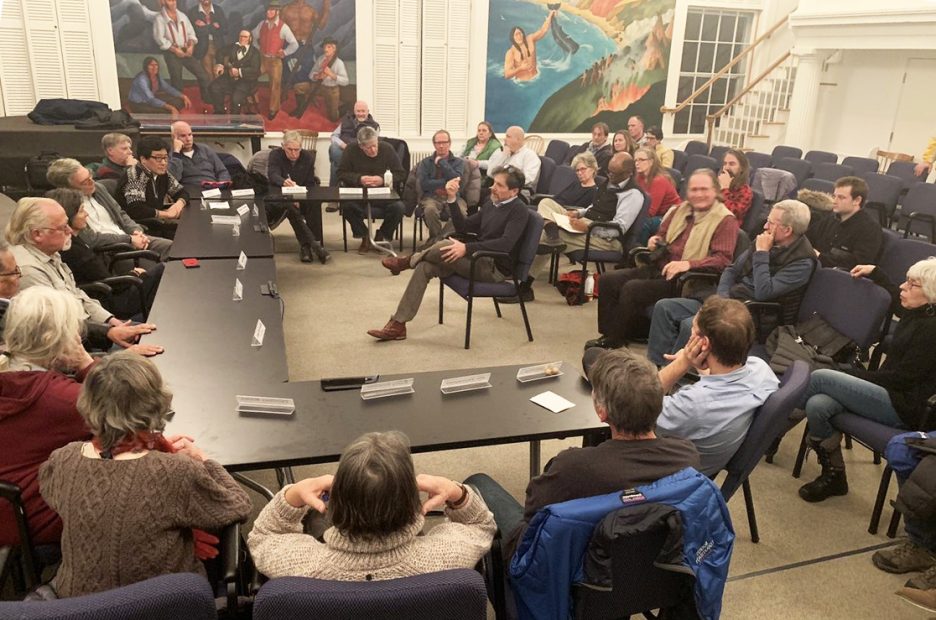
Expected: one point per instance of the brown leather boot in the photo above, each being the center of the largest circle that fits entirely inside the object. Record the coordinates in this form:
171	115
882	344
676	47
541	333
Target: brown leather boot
365	246
396	264
393	330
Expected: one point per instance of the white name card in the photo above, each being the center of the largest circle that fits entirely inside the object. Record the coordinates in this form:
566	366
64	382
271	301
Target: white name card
211	193
378	191
225	219
242	193
294	189
224	204
255	212
238	290
350	191
243	210
258	334
236	230
242	261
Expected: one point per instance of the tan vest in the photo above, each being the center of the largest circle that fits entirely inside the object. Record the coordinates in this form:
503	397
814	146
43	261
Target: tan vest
700	237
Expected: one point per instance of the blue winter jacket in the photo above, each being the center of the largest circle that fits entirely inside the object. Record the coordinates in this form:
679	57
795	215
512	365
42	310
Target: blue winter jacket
550	556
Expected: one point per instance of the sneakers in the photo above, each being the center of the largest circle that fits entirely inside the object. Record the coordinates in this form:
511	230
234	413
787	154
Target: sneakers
924	581
904	558
393	330
924	599
396	264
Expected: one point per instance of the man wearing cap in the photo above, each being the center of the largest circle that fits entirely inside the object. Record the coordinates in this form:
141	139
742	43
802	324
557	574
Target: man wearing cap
325	78
275	41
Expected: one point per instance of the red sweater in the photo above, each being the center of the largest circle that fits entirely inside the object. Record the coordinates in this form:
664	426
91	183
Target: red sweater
663	194
37	416
738	201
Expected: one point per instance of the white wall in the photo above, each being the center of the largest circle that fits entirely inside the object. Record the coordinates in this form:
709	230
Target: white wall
858	101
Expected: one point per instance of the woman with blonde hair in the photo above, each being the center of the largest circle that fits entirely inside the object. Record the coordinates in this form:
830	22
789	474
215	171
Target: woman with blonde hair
133	502
42	341
376	513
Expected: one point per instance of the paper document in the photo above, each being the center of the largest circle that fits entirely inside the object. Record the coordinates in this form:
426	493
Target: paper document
552	401
378	191
225	219
350	191
565	223
220	205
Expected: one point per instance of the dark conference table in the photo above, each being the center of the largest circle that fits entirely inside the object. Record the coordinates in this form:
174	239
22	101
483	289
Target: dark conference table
197	237
207	335
325	422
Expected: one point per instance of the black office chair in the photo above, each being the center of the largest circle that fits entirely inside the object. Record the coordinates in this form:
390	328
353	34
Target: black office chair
25	561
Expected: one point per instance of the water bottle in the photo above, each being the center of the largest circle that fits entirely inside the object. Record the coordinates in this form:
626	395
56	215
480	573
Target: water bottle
589	287
388	179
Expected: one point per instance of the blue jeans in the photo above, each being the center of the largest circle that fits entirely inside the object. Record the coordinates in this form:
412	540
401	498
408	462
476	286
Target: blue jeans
507	511
670	327
334	156
832	392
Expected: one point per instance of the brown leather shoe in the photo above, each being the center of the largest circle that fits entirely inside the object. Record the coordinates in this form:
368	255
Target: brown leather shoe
365	246
396	264
393	330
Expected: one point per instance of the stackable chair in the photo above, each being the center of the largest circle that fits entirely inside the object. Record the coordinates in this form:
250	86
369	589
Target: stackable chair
758	160
883	195
832	171
700	161
696	147
918	211
557	150
679	159
820	157
799	168
718	153
468	288
861	165
780	151
457	594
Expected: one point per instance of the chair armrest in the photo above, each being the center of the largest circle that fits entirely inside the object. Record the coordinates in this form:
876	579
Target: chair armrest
135	256
487	254
113	247
535	199
759	310
97	290
464	237
930	413
229	551
122	281
692	277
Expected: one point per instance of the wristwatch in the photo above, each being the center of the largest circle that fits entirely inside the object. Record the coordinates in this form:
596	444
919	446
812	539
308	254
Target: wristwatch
460	502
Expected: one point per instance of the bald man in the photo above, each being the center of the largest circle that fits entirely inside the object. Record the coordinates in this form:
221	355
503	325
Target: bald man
192	163
346	133
515	154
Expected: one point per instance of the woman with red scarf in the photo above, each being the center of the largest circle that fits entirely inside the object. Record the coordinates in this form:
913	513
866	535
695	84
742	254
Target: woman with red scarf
130	499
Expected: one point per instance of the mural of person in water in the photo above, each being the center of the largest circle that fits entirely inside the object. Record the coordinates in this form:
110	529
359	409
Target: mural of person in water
520	60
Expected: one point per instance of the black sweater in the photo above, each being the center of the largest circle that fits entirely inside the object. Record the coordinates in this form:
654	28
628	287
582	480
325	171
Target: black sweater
909	370
856	241
355	163
499	229
302	171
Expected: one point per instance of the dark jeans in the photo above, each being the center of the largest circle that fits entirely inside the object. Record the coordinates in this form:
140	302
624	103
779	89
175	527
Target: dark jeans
174	66
508	513
921	533
225	85
126	303
625	296
297	220
355	214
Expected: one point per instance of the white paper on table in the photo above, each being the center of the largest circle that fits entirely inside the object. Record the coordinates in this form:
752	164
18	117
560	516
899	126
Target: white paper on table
242	193
211	193
350	191
225	219
552	401
294	189
378	191
563	221
243	210
224	204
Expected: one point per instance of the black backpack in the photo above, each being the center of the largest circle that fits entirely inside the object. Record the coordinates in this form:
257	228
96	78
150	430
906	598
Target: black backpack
36	168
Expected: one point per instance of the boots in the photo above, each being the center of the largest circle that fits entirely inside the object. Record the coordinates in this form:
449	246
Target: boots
832	480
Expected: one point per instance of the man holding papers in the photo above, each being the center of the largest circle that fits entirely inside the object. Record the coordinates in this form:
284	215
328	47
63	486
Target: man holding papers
292	166
617	200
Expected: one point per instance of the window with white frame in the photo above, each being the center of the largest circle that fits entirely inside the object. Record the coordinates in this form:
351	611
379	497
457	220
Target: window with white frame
713	37
421	65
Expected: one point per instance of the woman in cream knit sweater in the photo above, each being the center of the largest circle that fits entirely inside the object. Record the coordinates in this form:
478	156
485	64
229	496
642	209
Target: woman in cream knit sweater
376	517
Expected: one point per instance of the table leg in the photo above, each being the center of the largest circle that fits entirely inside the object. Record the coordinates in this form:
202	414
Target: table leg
255	144
381	246
534	458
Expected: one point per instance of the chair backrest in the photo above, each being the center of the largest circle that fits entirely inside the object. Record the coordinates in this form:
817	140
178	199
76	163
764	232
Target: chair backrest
855	307
774	184
718	153
898	255
758	160
676	175
770	420
819	185
12	494
547	167
557	150
820	157
309	139
535	142
7	205
181	595
562	177
780	151
695	147
679	159
799	168
921	198
235	167
528	243
450	594
631	236
402	150
638	581
755	217
885	158
700	161
903	170
831	171
861	165
883	192
259	162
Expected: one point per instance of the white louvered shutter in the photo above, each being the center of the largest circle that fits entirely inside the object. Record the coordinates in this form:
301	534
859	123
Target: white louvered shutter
434	52
409	85
456	66
45	49
386	65
19	97
75	36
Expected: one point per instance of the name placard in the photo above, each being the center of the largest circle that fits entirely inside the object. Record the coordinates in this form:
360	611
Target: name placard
258	334
238	290
242	261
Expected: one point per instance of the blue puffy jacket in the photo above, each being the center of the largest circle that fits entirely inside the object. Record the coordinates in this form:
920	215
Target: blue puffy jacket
902	458
549	558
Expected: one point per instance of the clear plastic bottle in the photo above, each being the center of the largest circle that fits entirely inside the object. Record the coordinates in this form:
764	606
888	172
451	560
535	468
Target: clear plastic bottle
388	179
589	287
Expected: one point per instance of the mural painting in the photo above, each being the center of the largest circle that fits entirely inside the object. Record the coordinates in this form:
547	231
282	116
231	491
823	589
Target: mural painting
291	61
558	67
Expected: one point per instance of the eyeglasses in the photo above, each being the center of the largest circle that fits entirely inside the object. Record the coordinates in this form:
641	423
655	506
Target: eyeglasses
160	158
87	179
441	141
641	159
913	284
16	272
582	169
64	228
774	223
